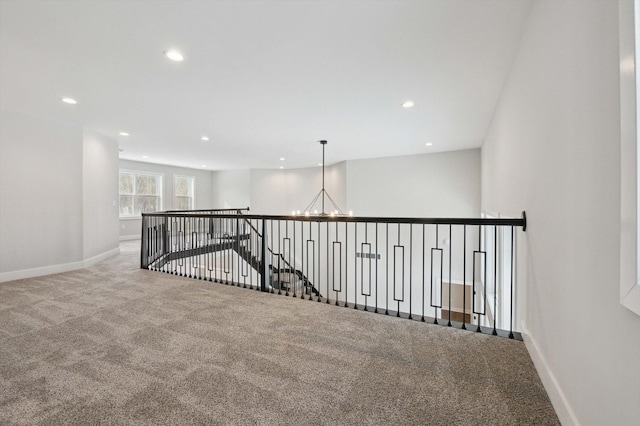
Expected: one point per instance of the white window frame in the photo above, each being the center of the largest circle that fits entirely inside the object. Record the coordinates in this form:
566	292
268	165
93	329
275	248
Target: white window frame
159	176
629	20
193	190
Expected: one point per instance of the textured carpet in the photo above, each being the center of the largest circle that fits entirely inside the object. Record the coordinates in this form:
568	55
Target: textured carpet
113	344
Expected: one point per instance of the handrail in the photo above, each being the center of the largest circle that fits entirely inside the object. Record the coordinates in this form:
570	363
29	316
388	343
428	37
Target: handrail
200	211
522	221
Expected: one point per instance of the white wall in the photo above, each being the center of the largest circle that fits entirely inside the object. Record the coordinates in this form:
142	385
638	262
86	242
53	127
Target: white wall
99	195
553	150
40	193
230	189
283	191
429	185
130	228
58	185
336	183
268	191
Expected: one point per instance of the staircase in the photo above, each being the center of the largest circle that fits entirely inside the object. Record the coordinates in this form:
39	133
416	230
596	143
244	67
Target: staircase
283	278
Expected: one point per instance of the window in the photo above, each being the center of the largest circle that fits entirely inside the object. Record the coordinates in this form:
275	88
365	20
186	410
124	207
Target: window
183	190
629	22
139	193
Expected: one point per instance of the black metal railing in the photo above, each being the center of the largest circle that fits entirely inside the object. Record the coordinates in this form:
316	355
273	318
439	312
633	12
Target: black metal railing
452	271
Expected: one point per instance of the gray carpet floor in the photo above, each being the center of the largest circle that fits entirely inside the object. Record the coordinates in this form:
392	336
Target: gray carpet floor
114	344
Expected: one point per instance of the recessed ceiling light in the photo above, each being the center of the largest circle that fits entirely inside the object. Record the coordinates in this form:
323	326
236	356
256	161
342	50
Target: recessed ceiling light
204	165
145	156
70	101
319	164
281	158
174	55
428	144
124	134
204	138
407	104
282	167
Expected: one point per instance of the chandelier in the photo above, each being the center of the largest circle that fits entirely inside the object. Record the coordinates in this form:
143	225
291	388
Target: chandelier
322	197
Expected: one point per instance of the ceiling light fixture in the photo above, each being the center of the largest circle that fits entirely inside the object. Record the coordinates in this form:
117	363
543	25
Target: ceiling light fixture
124	134
321	197
69	101
204	138
145	156
428	144
281	158
282	167
174	55
407	104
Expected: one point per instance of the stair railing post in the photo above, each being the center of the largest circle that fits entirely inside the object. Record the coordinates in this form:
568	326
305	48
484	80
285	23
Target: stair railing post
166	245
144	252
264	278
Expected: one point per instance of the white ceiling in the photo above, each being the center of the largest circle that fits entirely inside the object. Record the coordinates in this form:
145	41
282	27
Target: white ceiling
263	79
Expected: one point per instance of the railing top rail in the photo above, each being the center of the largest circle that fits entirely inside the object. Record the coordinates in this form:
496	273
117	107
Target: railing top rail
522	221
198	211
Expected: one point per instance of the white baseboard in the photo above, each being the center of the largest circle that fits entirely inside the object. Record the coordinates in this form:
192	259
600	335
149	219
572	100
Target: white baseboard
100	257
56	269
558	400
129	237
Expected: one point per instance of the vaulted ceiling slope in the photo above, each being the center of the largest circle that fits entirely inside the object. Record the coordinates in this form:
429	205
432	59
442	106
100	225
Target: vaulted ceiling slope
262	79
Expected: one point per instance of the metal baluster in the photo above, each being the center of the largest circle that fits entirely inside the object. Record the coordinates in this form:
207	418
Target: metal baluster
424	255
346	263
464	276
232	257
280	256
294	251
376	258
495	279
394	272
193	246
271	268
263	256
386	243
450	257
211	255
355	268
227	254
328	293
511	285
239	254
435	318
309	286
255	258
215	225
319	268
478	329
410	266
292	265
302	271
362	260
339	245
